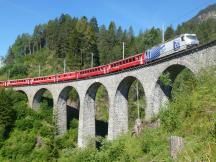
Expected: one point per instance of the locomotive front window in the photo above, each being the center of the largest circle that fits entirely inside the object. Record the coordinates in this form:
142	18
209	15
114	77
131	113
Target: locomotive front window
182	38
192	37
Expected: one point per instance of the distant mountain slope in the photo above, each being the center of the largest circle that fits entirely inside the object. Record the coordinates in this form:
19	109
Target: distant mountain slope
209	12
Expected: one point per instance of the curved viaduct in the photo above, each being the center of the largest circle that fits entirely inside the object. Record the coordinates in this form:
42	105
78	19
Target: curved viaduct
117	86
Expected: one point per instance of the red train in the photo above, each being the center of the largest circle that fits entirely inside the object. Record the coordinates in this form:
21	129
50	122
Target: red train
129	62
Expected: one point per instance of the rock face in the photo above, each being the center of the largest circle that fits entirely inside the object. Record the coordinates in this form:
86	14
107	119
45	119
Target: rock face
176	146
207	15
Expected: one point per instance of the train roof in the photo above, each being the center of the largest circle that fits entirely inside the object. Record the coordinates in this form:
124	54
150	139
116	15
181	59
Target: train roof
173	39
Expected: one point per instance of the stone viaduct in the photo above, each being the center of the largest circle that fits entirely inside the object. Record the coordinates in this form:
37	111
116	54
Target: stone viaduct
117	86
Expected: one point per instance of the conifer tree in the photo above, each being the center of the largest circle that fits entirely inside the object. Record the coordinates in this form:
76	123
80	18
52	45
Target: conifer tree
169	33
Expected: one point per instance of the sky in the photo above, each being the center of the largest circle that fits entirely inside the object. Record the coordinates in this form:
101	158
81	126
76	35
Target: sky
21	16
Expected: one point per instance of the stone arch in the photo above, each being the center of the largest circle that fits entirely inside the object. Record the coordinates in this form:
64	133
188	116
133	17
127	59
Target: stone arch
63	109
24	93
39	96
180	65
161	94
120	106
89	116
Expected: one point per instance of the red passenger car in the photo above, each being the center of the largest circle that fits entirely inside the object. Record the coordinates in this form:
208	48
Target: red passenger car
129	62
19	82
66	76
44	79
92	72
2	83
126	63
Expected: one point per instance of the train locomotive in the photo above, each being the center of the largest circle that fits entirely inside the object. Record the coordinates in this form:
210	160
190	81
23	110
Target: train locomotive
182	42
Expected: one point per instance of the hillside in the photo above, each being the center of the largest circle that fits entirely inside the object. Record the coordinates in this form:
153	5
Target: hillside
75	39
205	14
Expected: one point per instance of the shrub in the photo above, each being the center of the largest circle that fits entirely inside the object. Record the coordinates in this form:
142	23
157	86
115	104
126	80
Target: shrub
169	119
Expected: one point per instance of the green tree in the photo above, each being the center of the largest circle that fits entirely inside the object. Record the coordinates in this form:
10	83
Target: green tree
103	45
111	40
7	114
169	33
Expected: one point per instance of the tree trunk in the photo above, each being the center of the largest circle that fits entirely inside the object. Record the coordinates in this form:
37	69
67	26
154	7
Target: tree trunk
30	48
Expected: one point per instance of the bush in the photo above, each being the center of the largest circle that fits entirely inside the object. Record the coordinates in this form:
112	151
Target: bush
169	119
24	124
2	135
18	146
74	124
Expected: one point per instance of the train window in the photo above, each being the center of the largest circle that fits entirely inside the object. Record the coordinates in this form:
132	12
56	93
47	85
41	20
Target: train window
193	37
182	38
